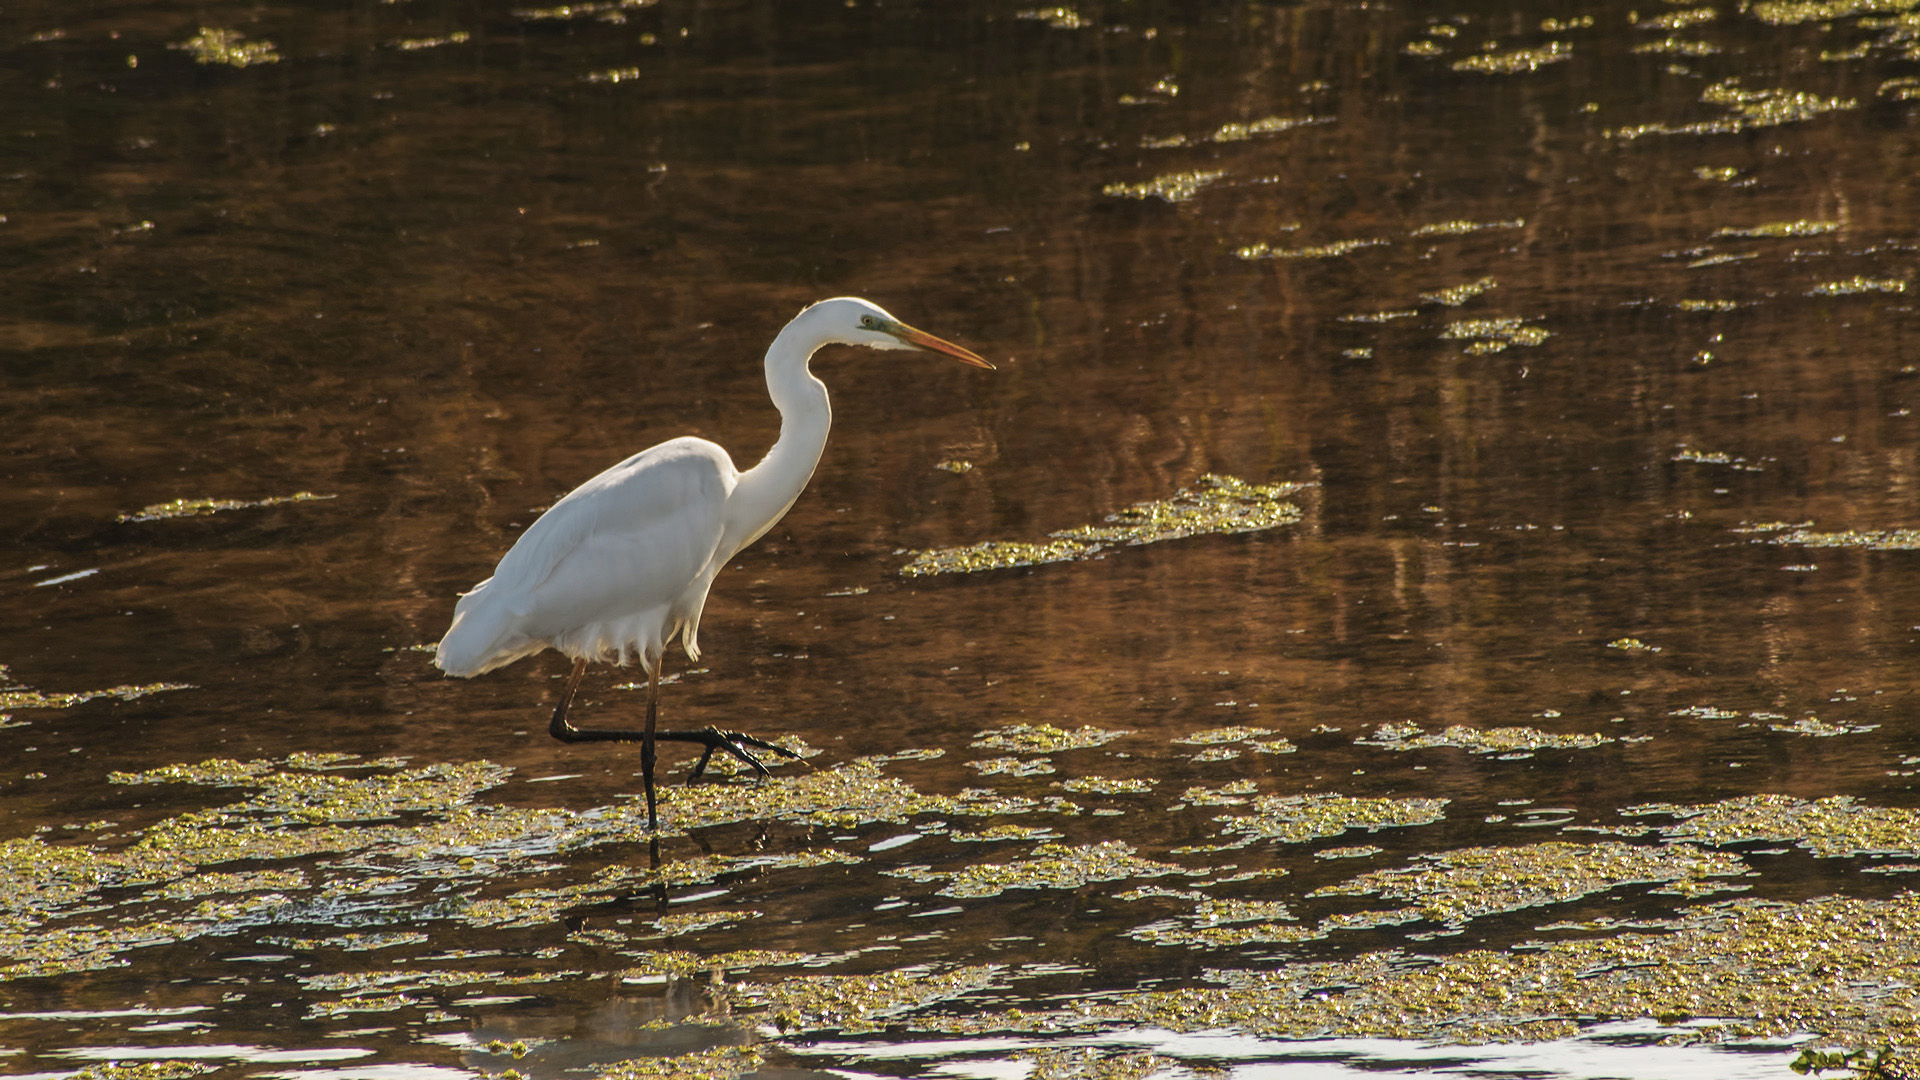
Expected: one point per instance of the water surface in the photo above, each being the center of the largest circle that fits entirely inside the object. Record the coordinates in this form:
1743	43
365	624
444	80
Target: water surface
1552	717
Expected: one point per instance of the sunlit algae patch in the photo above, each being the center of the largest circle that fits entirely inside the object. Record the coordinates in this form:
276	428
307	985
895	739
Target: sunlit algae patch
361	827
1213	504
179	508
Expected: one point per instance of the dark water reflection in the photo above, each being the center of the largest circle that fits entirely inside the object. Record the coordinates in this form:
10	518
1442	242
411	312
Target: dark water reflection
1562	338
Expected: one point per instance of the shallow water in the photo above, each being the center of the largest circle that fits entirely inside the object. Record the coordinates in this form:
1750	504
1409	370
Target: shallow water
1550	714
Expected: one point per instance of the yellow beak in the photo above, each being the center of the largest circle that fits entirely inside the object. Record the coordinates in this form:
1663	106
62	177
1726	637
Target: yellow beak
920	339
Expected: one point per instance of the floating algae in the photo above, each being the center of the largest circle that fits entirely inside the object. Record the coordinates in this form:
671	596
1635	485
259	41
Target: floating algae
1518	741
1225	923
1173	187
406	835
1297	819
1042	738
164	1069
179	508
1905	539
1632	645
1857	284
1750	109
1463	227
1456	887
1494	335
1213	736
1761	970
1820	729
1212	505
1779	230
1104	785
1010	766
1516	60
1056	866
213	45
22	697
1094	1063
655	963
857	1003
1456	295
1332	250
1834	827
719	1063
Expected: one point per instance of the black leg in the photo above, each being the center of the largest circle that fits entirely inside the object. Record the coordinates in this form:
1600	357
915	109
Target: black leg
646	747
560	728
738	743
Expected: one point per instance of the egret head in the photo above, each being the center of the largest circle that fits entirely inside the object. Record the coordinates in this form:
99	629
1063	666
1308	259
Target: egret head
849	320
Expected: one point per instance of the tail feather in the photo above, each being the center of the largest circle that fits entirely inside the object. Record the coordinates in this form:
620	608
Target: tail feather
486	634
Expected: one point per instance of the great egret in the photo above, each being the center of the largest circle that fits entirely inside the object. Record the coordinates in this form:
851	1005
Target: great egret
621	566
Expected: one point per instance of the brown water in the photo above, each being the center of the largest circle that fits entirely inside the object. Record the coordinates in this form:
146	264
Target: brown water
1583	680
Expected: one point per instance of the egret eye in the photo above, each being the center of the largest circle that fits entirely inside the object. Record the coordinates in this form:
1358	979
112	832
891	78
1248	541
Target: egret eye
868	322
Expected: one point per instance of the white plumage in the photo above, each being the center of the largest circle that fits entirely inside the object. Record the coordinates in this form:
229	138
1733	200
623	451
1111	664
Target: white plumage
620	567
611	573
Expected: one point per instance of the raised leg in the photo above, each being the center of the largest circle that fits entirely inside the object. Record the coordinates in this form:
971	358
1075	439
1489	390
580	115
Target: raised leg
738	743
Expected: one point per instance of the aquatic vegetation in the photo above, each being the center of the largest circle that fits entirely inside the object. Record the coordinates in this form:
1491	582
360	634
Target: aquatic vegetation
1459	294
1789	12
1835	827
1779	230
1102	785
1241	132
1758	969
656	963
1008	766
607	11
1765	108
1059	18
1677	20
1749	109
458	37
179	508
999	833
1674	46
1211	736
21	697
1211	505
1462	228
1321	251
1517	741
1858	284
1632	645
1043	738
1055	866
1092	1063
159	1069
1220	742
1172	187
1867	539
719	1063
1455	887
1818	728
213	45
1494	335
856	1003
1297	819
1516	61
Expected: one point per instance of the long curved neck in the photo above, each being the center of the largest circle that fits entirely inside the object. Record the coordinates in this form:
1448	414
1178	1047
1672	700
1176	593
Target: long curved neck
766	491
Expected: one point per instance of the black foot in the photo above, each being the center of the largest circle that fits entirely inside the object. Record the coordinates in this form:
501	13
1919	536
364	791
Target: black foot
738	743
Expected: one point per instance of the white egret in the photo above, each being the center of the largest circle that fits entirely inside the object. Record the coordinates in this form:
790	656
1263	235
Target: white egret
620	567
